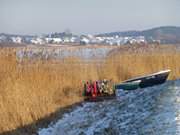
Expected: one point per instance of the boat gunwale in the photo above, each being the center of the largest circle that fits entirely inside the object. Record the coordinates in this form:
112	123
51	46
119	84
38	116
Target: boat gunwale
142	77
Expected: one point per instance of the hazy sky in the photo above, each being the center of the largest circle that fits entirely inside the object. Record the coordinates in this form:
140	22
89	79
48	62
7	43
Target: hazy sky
86	16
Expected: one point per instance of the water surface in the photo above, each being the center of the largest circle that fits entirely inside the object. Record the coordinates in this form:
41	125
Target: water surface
153	111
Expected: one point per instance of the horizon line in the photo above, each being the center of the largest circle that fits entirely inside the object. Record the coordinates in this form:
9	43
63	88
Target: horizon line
128	30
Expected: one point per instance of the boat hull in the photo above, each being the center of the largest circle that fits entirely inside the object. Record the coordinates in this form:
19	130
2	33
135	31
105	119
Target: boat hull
128	85
100	98
151	80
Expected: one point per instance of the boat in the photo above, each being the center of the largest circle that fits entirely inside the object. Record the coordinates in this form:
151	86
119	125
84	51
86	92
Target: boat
100	98
128	85
151	79
98	90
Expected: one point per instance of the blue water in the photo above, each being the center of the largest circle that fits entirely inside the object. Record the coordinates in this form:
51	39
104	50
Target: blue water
149	111
165	117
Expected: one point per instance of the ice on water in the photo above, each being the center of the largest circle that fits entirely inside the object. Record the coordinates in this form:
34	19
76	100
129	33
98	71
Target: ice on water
153	110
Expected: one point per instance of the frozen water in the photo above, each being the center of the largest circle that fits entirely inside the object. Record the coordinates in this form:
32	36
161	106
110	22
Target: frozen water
154	110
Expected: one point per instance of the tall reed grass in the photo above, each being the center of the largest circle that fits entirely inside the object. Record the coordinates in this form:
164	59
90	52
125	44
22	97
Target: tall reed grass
30	91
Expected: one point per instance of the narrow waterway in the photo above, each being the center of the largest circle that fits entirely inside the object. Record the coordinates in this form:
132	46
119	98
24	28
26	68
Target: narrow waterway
165	119
153	111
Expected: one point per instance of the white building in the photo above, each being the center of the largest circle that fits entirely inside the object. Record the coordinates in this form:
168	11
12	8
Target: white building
57	40
53	40
2	38
37	41
85	40
16	40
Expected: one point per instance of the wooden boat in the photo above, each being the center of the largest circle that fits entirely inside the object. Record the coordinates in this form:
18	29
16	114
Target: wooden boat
144	81
128	85
100	98
151	79
134	83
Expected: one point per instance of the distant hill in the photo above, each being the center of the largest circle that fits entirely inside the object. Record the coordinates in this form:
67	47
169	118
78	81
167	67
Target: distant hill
166	34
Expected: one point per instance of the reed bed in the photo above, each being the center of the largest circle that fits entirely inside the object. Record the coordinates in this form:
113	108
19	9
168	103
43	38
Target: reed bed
31	90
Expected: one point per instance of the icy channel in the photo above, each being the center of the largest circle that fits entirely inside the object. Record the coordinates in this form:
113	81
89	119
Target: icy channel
154	110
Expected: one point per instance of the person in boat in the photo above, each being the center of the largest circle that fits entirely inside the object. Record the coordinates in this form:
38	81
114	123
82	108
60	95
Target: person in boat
84	89
94	90
106	88
103	87
89	88
98	88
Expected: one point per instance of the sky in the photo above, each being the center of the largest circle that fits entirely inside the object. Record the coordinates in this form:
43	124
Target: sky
86	16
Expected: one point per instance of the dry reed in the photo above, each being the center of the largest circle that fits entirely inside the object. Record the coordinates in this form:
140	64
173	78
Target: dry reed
30	91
